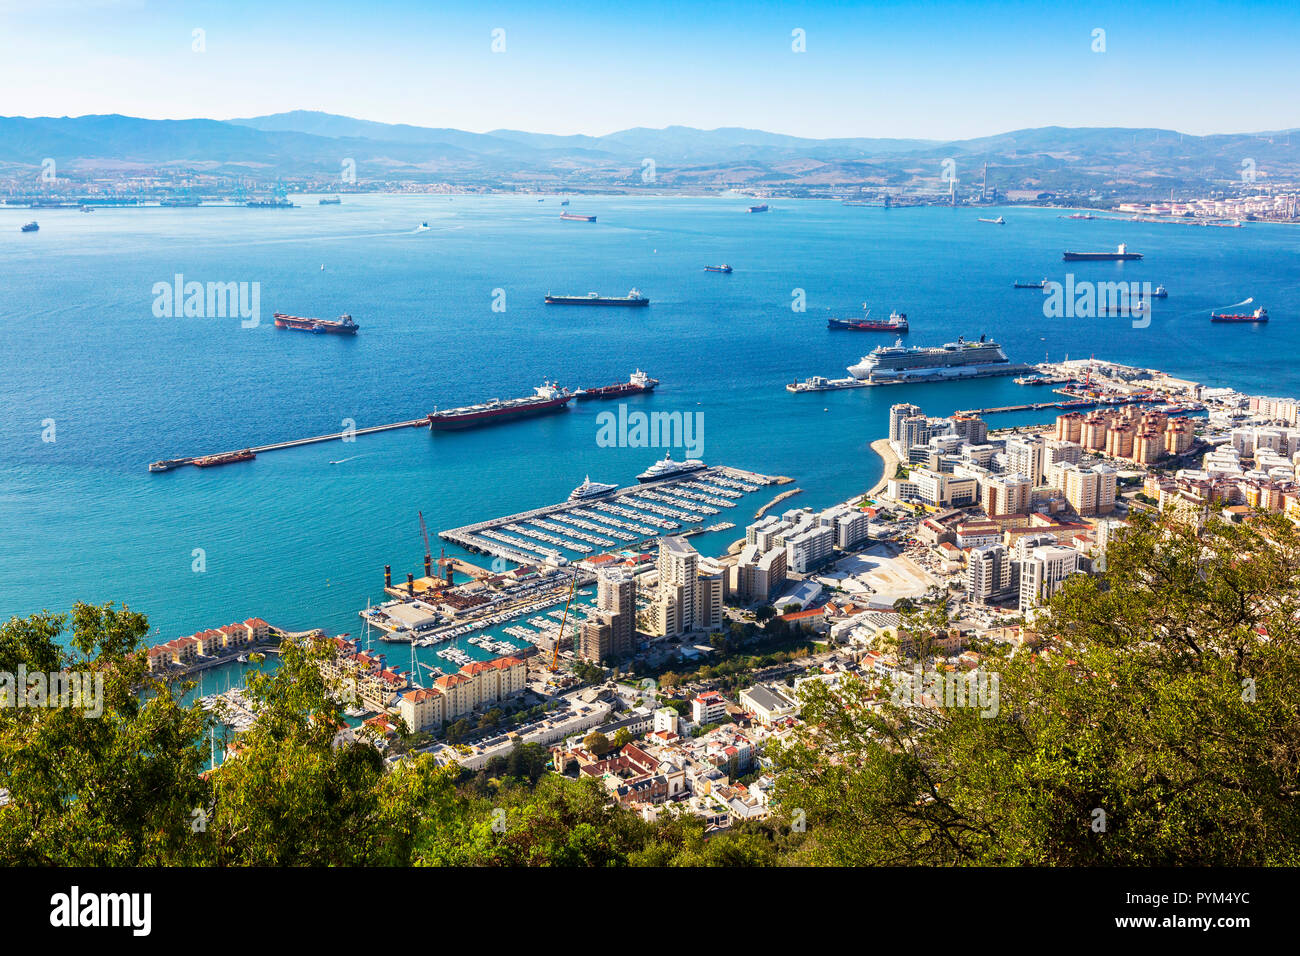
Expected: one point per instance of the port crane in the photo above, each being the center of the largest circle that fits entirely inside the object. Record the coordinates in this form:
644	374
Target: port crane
555	657
428	551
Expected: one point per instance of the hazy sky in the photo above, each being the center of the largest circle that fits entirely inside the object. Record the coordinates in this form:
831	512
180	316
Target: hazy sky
932	70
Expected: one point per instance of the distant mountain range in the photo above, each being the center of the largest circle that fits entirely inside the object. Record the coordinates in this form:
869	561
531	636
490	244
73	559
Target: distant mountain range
311	145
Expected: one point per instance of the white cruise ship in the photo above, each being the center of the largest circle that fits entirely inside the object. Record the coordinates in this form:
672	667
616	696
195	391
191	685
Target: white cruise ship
590	489
889	364
667	468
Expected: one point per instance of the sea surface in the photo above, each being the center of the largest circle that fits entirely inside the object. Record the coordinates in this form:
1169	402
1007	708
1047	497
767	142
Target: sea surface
300	537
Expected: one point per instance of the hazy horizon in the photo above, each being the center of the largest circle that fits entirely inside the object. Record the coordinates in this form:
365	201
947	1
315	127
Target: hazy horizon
939	72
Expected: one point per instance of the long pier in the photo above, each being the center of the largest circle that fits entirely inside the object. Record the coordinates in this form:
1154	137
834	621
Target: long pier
167	464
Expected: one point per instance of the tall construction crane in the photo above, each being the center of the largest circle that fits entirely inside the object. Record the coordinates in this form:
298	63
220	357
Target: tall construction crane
428	552
555	657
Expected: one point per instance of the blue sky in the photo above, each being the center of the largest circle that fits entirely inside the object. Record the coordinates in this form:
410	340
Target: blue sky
929	70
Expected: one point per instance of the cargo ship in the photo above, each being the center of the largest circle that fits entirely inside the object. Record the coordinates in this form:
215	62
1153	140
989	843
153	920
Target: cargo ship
638	383
179	203
897	322
633	298
574	217
893	364
722	268
591	489
547	398
269	204
762	208
667	468
997	222
342	326
335	201
226	458
30	227
1040	284
167	464
1259	315
1121	254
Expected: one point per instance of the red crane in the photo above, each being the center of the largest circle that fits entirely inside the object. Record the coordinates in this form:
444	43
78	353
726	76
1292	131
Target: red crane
555	657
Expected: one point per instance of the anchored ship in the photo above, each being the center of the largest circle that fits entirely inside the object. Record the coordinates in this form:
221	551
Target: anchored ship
762	208
30	227
633	298
639	382
1259	315
574	217
342	326
722	268
548	397
890	364
335	201
1040	284
1119	255
997	222
590	489
897	322
269	204
226	458
667	468
167	464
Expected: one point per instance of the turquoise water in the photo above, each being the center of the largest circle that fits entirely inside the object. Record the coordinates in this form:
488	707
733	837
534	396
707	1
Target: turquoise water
300	537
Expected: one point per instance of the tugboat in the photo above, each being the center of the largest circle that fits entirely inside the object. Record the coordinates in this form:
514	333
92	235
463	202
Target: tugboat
30	227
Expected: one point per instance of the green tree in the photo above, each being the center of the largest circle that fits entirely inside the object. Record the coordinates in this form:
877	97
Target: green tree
1160	729
115	789
596	743
622	737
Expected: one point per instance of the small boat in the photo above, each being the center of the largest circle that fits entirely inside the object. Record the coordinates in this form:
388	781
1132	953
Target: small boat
1160	293
243	658
30	227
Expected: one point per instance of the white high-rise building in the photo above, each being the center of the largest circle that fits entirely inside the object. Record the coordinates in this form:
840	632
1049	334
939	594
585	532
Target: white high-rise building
1025	457
990	574
1043	571
678	566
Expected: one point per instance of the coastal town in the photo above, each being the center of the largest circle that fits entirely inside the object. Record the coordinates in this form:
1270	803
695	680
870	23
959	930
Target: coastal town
628	683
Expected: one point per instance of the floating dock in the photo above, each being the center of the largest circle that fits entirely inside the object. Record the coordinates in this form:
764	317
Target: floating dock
625	519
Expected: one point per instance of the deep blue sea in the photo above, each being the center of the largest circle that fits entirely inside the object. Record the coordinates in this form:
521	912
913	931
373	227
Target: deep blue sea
302	542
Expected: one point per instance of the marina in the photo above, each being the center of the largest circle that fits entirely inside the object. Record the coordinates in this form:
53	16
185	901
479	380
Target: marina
631	517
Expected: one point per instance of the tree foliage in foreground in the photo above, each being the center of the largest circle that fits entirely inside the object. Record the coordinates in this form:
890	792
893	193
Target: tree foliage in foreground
1157	725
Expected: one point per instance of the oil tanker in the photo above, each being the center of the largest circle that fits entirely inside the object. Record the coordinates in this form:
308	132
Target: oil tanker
574	217
1119	255
548	397
1259	315
633	298
722	268
762	208
342	326
226	458
897	322
638	383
